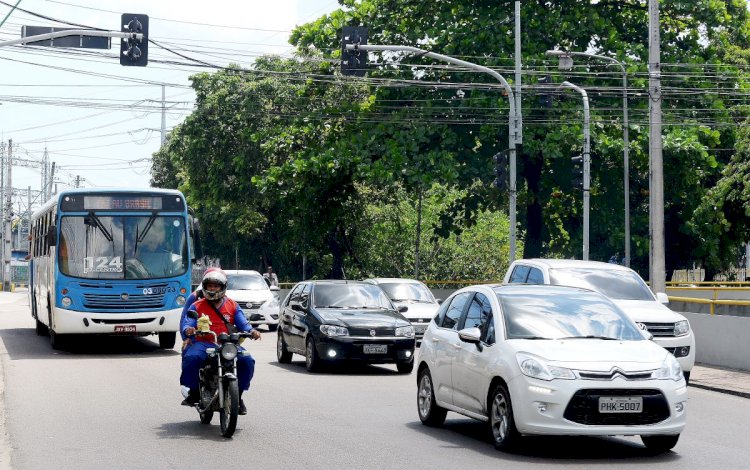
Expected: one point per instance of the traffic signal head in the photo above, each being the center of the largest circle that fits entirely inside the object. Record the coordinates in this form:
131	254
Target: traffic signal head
577	173
501	170
353	62
132	50
545	96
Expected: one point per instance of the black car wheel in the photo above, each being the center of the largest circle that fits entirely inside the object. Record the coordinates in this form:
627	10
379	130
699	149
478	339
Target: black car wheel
283	355
503	427
405	367
312	360
660	444
429	412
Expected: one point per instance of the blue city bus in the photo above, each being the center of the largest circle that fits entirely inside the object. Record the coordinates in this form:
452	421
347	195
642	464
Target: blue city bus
111	262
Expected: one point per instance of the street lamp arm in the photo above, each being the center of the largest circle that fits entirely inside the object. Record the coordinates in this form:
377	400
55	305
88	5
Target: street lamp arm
73	32
450	60
558	53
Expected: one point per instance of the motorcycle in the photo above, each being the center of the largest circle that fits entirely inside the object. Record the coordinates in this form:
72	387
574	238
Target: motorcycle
218	389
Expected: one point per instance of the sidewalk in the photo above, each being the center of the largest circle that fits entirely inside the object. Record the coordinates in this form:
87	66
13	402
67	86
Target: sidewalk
718	379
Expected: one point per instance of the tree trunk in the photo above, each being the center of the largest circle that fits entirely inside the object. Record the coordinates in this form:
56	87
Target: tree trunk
334	244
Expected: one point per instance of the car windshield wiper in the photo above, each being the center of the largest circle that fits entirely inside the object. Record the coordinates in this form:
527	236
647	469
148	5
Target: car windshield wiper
139	237
378	307
96	222
528	337
328	306
607	338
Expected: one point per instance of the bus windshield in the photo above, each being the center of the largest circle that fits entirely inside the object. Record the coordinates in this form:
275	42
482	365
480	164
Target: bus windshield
101	246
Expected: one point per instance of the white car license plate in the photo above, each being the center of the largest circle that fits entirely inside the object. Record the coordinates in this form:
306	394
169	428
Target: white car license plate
375	348
124	328
620	404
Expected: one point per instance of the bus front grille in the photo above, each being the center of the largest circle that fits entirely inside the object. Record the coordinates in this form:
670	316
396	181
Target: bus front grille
116	301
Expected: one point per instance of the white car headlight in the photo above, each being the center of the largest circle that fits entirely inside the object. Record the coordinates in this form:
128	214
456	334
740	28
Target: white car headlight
331	330
670	369
681	328
539	369
273	303
406	331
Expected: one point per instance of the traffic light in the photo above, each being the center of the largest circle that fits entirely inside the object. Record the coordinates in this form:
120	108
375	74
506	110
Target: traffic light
353	62
501	170
133	51
577	173
545	97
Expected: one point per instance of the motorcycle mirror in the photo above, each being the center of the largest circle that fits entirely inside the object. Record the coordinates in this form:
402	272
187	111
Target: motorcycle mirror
223	338
234	337
192	314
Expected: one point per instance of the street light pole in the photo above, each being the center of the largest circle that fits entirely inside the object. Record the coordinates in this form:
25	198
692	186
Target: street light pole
563	55
514	127
586	165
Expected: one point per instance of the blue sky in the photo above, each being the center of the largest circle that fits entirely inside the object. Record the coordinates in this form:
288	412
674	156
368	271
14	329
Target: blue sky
100	120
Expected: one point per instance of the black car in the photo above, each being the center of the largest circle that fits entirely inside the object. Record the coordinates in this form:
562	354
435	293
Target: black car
328	321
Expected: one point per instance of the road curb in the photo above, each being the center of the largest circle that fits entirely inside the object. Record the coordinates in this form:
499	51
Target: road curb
727	391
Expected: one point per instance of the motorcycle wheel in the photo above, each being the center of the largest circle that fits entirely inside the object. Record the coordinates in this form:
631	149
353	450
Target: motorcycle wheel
228	413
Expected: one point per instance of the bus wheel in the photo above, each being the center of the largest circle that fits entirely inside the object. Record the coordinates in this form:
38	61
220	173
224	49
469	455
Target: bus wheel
167	339
55	339
41	328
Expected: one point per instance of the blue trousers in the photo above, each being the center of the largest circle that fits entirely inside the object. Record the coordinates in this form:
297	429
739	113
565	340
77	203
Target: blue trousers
194	357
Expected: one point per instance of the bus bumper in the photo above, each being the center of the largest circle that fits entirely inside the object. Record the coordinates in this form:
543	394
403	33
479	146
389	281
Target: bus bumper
131	323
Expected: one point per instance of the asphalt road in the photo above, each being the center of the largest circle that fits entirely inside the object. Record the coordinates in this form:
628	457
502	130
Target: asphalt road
114	403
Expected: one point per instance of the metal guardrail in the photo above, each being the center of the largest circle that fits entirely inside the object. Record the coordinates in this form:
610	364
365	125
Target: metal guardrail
712	302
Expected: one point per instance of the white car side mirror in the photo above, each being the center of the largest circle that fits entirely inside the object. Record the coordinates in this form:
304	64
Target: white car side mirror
662	297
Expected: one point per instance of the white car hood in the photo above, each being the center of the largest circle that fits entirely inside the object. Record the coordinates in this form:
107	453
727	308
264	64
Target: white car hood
648	311
419	309
249	295
595	354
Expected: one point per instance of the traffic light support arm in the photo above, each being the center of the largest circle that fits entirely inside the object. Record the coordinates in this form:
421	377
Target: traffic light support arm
514	126
73	32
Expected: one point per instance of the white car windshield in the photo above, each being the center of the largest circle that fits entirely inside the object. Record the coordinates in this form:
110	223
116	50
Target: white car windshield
246	282
615	284
400	292
564	314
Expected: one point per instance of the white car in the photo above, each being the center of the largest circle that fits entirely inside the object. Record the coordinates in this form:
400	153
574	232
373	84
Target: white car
625	288
548	360
421	304
259	302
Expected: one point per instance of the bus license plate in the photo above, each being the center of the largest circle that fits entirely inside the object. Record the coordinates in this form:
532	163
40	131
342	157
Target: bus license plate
375	348
124	328
620	404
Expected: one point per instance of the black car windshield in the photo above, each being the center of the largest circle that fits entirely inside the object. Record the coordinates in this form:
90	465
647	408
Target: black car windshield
350	296
407	291
557	313
246	282
614	283
100	246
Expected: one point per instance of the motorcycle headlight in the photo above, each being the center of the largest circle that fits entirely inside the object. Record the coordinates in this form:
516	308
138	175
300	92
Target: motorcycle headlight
229	351
681	328
406	331
670	369
331	330
539	369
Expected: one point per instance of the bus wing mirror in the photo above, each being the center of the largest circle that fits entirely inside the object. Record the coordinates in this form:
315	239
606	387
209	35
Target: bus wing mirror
197	245
52	235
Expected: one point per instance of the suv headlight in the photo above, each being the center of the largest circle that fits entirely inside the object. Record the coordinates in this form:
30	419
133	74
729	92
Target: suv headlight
681	328
670	369
538	368
406	331
331	330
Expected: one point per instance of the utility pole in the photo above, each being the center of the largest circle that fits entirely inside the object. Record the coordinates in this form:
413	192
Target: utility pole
78	181
51	180
163	116
513	187
657	274
8	219
28	218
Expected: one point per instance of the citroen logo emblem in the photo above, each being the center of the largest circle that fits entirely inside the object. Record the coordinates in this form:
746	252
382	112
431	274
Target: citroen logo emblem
372	332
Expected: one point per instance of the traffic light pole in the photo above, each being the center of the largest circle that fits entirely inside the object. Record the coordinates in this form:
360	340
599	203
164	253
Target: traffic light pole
73	32
586	166
514	127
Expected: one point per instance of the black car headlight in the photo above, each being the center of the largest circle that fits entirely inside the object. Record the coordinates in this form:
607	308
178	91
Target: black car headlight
229	351
332	330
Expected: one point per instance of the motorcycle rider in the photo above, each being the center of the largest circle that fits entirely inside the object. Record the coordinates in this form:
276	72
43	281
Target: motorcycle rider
192	298
223	313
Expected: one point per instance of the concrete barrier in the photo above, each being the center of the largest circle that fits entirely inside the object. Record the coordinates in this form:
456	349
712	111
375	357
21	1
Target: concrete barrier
721	340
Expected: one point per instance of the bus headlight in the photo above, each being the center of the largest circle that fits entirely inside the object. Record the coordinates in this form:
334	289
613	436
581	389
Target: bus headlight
180	300
66	302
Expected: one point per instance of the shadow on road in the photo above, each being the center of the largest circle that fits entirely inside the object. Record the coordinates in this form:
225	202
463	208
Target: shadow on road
338	369
571	450
195	430
23	343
